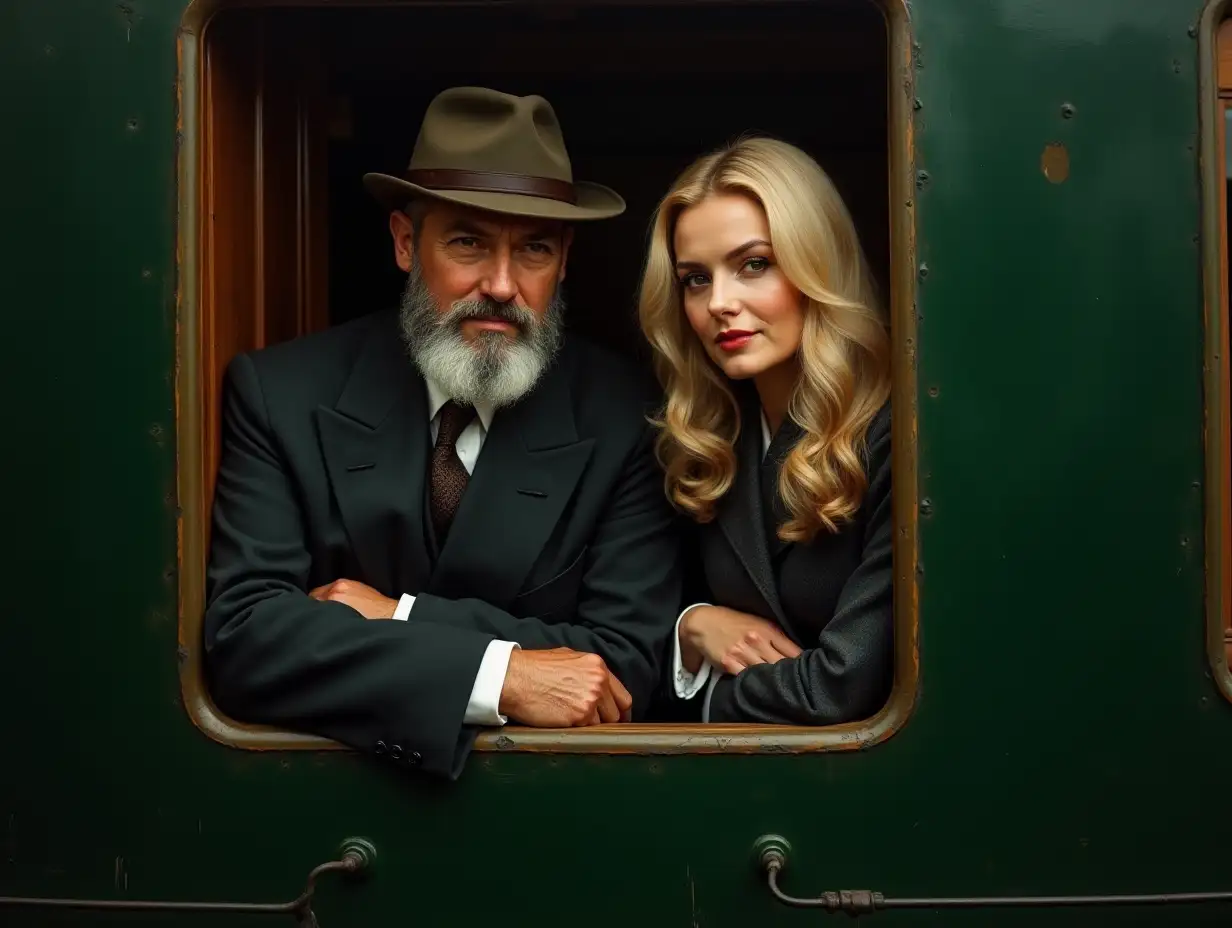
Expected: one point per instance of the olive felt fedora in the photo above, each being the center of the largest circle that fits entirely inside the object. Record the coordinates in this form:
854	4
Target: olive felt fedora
497	152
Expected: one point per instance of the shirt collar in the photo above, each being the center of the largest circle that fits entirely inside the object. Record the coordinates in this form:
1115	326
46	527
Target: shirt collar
438	398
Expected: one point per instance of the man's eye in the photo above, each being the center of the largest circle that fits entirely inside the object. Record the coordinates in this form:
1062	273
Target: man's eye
466	241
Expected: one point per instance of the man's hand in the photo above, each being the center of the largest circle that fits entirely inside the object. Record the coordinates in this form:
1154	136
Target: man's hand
562	688
359	596
731	640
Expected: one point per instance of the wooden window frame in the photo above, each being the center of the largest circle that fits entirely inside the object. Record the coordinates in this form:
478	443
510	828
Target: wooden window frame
1215	81
263	240
228	250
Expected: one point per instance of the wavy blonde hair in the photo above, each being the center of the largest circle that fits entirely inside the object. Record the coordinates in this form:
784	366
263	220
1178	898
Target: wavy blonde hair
844	351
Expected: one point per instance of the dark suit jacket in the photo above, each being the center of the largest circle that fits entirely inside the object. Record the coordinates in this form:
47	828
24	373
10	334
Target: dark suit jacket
833	596
563	538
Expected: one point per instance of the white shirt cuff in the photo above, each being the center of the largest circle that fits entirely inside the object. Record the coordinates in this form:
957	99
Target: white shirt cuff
484	705
483	708
404	608
687	685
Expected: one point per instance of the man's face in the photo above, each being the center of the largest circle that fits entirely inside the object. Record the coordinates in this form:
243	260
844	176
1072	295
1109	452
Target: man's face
482	311
466	254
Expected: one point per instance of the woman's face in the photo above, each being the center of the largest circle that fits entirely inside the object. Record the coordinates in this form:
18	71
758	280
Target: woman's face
748	315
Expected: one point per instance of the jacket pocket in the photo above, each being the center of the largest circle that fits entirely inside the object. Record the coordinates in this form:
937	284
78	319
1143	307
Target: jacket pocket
558	594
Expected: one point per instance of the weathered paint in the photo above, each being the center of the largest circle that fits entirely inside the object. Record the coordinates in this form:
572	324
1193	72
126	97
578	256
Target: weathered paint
1068	735
1054	162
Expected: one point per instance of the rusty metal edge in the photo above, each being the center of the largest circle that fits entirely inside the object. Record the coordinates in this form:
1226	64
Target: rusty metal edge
1211	123
608	739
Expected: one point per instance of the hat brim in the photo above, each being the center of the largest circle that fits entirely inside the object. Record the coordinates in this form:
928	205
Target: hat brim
594	201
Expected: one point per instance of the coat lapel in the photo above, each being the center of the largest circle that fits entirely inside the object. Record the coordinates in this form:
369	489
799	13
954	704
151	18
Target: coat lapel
773	512
740	513
375	443
526	473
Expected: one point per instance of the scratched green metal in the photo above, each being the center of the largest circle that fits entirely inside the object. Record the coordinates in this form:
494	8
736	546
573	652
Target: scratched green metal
1068	738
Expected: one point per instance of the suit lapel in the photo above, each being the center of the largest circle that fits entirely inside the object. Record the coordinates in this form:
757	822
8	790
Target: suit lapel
740	512
530	463
772	509
375	443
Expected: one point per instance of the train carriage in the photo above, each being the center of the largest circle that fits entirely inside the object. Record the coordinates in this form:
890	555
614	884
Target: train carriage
1042	188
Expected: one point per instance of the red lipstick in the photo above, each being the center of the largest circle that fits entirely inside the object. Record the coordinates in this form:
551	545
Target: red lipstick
733	339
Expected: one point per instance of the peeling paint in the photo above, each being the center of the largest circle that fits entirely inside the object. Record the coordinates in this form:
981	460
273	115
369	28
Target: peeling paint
130	17
1054	162
688	875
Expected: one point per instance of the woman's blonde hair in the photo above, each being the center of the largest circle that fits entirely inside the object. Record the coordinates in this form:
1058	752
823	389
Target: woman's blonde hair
844	351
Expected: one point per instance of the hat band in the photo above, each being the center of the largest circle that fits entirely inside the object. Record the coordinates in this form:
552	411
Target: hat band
493	182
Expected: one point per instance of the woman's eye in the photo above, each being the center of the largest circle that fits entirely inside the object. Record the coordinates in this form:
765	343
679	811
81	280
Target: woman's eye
757	264
693	280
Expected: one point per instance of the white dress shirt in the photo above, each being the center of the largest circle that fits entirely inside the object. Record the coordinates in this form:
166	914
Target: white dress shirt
688	685
484	705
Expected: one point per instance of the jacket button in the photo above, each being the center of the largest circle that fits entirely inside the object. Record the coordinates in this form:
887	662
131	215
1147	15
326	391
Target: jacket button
414	759
380	748
396	752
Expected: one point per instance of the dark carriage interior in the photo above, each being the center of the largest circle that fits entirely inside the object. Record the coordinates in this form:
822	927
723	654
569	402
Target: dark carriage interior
640	91
298	103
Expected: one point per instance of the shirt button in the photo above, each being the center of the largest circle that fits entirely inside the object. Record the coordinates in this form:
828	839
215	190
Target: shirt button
380	748
414	758
396	752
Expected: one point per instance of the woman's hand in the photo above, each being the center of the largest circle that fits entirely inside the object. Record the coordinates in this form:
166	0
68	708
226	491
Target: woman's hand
731	640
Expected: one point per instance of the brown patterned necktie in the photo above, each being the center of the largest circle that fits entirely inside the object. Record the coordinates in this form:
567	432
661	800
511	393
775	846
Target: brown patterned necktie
449	476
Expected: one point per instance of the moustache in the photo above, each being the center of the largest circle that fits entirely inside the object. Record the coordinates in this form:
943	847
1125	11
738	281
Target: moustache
516	315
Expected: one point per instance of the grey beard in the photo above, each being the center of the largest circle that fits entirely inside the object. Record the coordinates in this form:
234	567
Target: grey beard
493	367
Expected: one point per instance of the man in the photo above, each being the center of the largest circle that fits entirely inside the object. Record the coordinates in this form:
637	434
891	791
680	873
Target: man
446	517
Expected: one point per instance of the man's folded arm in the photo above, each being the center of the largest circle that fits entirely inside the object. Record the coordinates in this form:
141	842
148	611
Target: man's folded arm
276	656
629	594
483	707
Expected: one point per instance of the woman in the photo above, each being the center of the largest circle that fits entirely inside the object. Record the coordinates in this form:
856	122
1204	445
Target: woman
775	438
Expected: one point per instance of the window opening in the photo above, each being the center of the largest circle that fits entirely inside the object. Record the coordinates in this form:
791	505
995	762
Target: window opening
289	107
